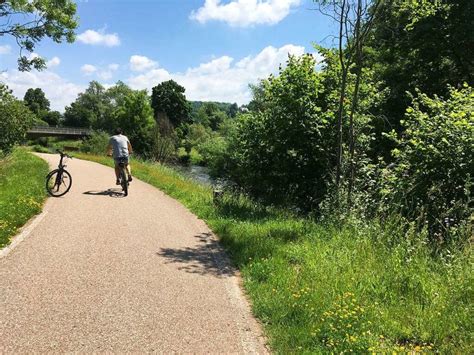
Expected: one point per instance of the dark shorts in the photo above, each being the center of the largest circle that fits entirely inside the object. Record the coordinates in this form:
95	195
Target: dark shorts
123	160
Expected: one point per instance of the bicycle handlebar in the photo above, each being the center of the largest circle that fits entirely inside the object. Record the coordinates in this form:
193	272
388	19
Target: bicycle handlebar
63	154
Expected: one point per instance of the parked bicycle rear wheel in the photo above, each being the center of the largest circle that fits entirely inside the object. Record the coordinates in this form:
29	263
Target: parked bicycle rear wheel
123	180
58	182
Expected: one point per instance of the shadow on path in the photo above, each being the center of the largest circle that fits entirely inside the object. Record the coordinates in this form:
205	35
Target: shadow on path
109	192
206	258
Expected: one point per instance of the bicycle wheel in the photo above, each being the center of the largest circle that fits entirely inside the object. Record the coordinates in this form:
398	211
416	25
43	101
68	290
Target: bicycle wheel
124	180
58	182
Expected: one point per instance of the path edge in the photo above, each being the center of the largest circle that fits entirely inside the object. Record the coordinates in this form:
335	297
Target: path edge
24	232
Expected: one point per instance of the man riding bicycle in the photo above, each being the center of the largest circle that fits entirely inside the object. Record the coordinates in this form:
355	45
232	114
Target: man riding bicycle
121	148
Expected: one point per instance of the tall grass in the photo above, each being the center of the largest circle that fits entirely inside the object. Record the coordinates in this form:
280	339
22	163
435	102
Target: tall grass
22	191
324	287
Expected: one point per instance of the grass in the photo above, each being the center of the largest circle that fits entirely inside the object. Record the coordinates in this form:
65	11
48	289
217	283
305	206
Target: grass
326	288
22	191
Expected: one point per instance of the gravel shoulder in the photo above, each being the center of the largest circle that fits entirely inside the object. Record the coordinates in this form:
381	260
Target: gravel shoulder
101	272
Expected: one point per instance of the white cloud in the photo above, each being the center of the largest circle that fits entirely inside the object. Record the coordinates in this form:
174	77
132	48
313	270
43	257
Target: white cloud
244	13
59	91
53	62
6	49
113	66
88	69
141	63
99	38
220	79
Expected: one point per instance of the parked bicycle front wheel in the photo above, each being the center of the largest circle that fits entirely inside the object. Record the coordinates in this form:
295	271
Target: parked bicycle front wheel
58	182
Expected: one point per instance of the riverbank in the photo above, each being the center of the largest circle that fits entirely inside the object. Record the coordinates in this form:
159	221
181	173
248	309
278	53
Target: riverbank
327	288
22	191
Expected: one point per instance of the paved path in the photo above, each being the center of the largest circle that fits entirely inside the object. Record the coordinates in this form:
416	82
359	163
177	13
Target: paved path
102	273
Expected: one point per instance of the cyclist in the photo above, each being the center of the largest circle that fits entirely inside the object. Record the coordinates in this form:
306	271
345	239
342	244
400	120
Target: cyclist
121	148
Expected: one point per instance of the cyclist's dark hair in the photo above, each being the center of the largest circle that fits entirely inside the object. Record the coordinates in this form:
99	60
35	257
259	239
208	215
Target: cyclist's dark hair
118	130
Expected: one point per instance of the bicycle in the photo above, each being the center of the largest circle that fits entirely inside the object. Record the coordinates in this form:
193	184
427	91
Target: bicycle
122	162
59	181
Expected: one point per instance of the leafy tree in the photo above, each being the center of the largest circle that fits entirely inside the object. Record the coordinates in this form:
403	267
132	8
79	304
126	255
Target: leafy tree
422	45
135	116
91	108
163	140
31	21
36	101
52	118
168	98
284	152
15	120
210	115
432	173
232	110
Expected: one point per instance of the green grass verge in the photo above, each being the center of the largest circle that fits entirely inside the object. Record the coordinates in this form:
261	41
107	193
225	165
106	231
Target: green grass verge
22	191
322	288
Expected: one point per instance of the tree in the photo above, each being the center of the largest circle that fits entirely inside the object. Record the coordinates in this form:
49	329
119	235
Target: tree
355	19
168	98
36	101
283	152
422	45
91	108
53	118
431	177
210	115
135	116
31	21
233	110
15	120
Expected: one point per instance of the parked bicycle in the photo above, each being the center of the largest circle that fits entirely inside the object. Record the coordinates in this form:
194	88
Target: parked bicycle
59	181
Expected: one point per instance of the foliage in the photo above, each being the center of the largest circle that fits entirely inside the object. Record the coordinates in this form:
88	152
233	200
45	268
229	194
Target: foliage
118	106
135	116
231	110
210	115
15	120
163	140
36	101
52	118
31	21
215	154
289	142
96	143
168	98
90	108
432	175
332	288
420	45
21	191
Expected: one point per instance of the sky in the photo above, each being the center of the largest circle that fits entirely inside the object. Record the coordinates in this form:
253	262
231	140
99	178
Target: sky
214	48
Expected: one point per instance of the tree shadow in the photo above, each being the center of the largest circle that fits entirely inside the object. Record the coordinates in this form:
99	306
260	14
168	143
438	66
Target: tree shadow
116	193
206	258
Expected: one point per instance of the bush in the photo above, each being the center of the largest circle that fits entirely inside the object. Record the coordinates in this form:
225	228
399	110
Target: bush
215	154
15	120
432	176
284	151
96	144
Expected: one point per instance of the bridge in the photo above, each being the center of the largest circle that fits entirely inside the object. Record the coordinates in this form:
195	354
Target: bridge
44	131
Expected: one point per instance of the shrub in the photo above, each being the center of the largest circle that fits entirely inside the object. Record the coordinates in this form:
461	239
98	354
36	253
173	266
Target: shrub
283	152
15	120
432	176
96	144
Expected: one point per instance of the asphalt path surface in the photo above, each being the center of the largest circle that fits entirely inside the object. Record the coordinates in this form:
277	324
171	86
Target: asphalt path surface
100	272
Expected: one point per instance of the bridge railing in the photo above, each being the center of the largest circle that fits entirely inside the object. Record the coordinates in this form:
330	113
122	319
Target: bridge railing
60	130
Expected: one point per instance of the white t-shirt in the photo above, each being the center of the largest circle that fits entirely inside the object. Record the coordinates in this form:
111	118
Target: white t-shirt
119	144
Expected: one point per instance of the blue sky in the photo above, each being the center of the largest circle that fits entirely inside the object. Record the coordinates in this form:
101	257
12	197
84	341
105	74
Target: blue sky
214	48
